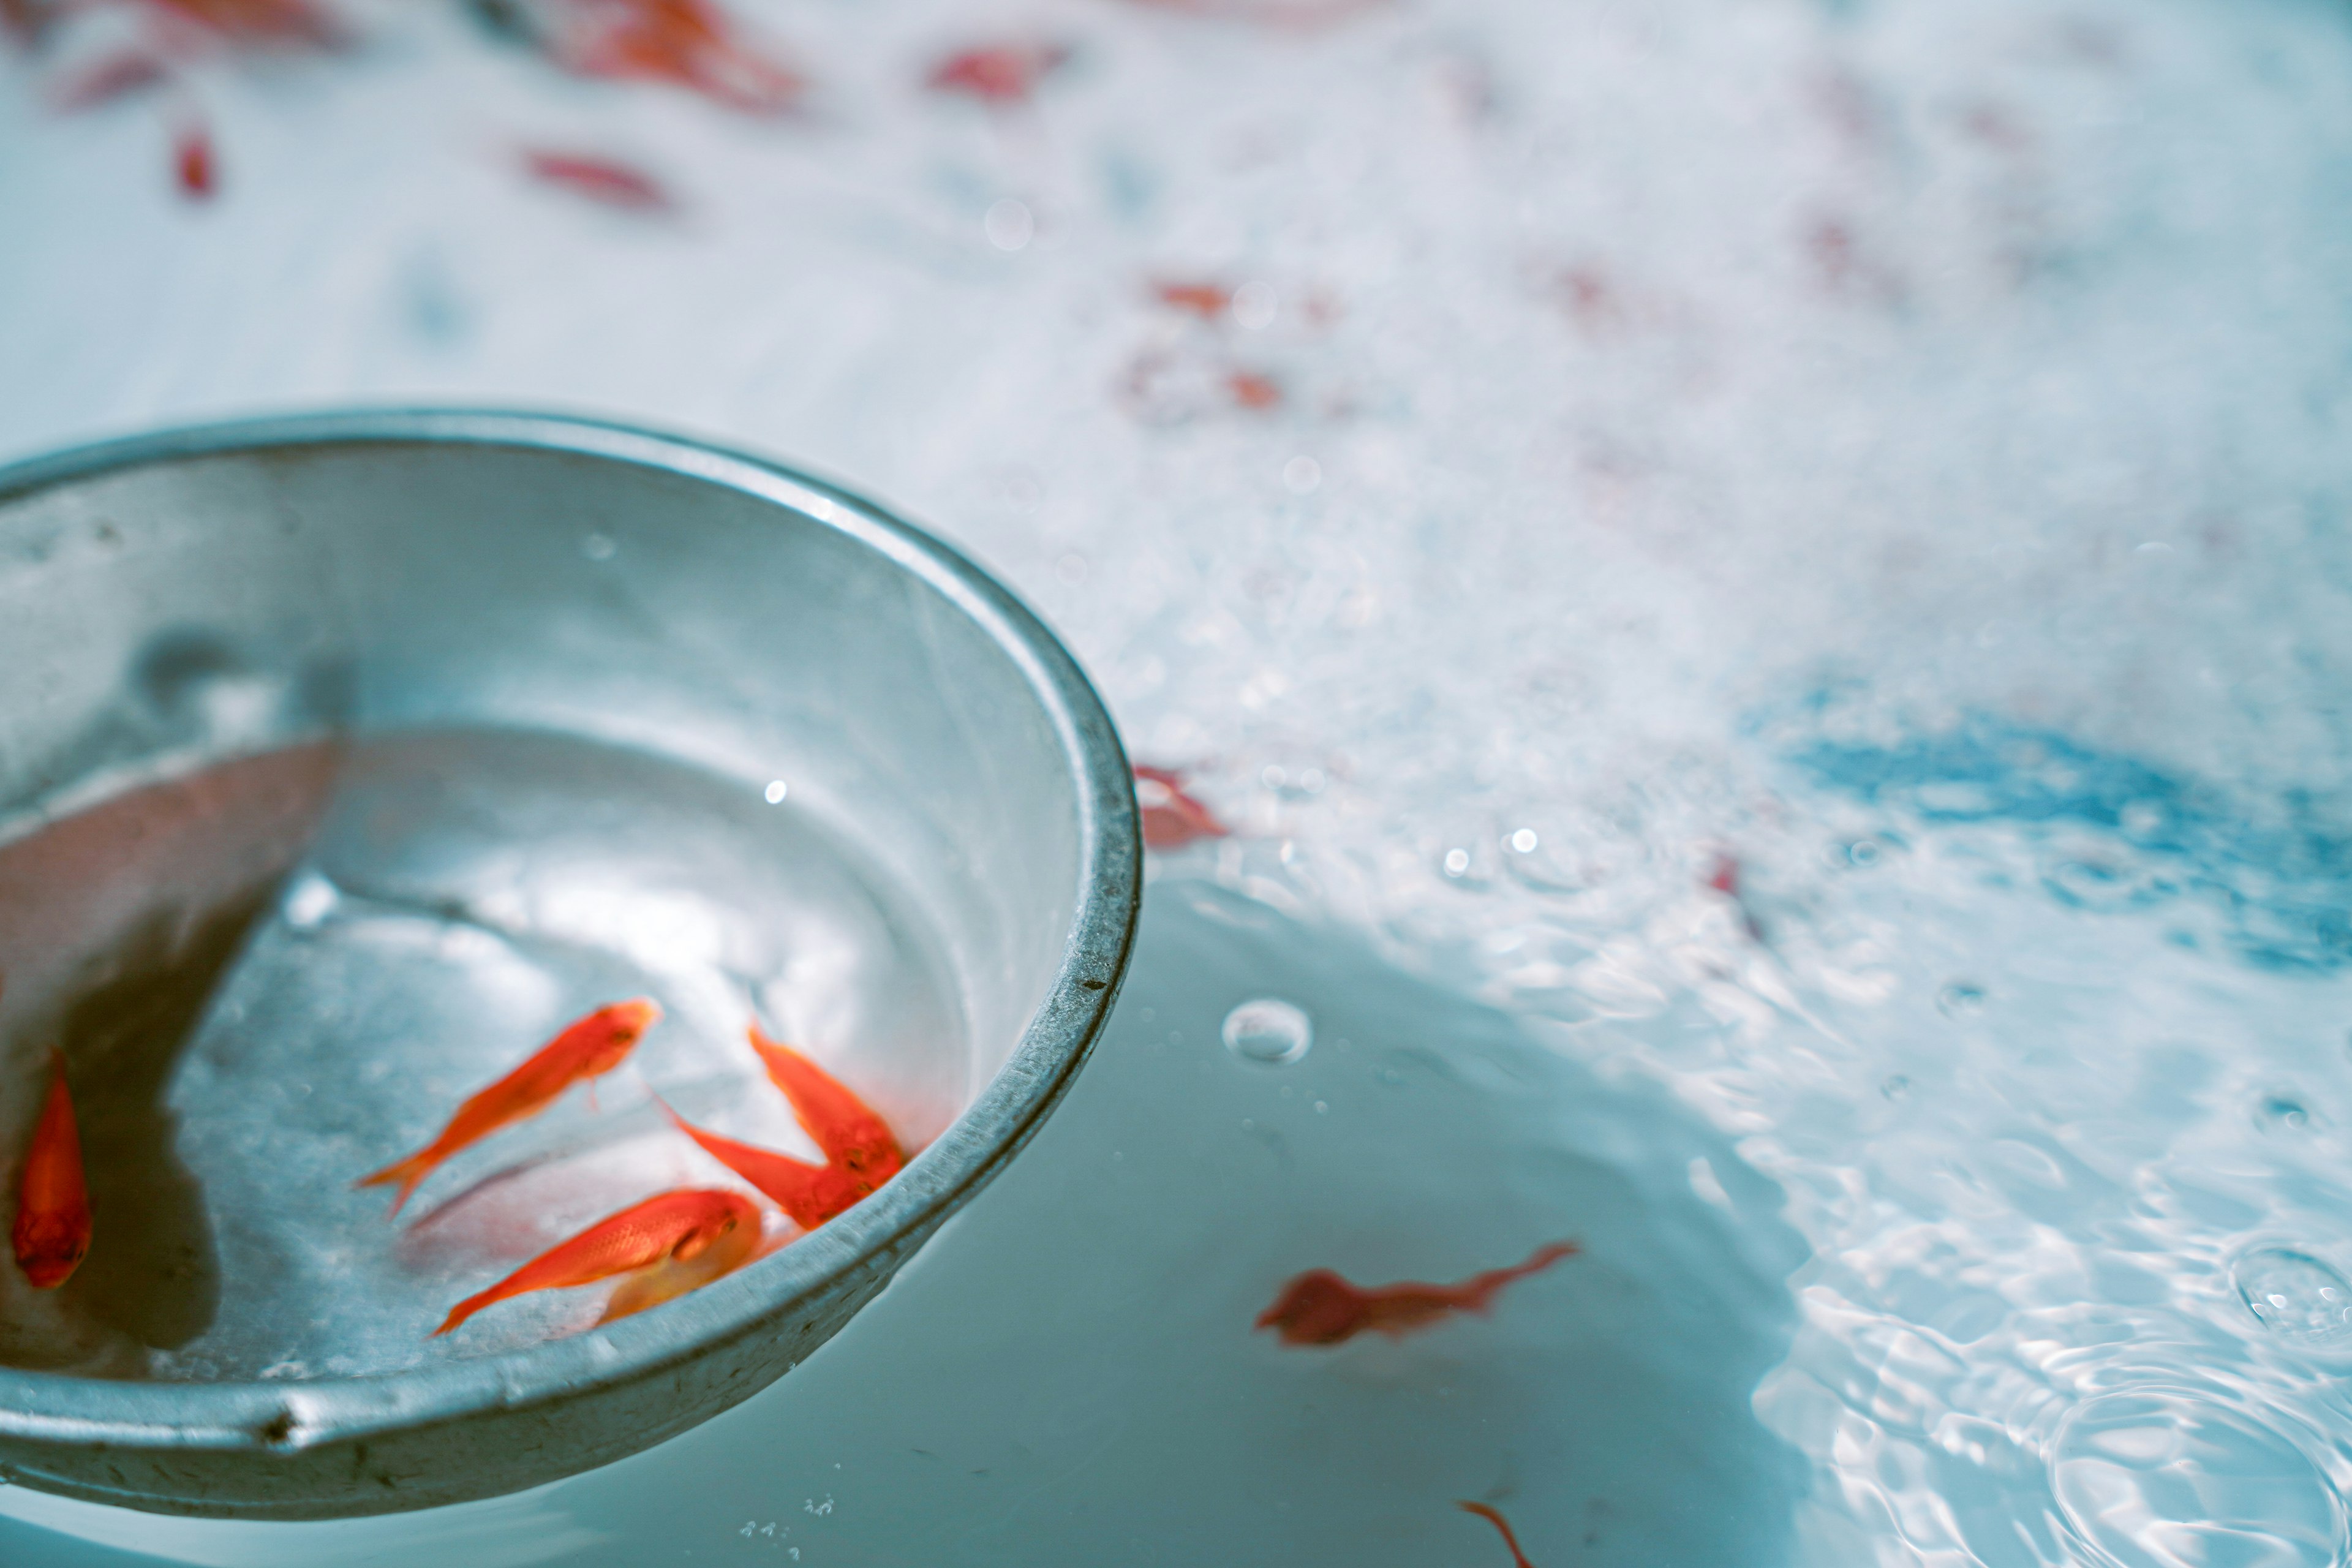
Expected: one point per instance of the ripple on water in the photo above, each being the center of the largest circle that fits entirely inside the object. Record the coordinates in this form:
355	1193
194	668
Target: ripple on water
1268	1030
2300	1300
2169	1479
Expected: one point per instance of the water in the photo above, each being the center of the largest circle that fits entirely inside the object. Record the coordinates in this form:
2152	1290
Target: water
1823	596
276	975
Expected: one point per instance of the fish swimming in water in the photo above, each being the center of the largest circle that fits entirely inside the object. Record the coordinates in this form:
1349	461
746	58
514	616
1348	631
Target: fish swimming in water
997	73
860	1151
604	181
52	1229
856	1140
586	1048
1171	818
1319	1308
674	1276
811	1194
675	1227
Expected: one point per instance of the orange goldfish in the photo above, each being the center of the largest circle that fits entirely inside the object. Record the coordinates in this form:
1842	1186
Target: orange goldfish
192	161
1319	1308
674	1276
52	1231
587	1049
860	1151
1519	1559
811	1194
1251	389
673	1227
1206	300
998	73
856	1140
688	43
604	181
1171	818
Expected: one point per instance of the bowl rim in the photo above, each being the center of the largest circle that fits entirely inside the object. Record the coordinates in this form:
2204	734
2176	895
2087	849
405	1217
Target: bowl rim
284	1417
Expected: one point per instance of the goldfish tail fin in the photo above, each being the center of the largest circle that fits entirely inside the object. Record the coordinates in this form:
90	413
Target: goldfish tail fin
409	1172
1543	1256
465	1309
807	1193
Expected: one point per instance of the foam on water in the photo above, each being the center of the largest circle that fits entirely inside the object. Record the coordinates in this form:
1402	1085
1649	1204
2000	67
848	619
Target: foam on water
1798	548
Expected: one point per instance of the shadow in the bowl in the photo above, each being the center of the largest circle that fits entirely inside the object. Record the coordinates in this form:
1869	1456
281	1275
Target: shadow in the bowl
157	1279
153	1277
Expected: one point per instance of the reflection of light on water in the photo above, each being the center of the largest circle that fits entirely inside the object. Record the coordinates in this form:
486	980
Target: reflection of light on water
2167	1480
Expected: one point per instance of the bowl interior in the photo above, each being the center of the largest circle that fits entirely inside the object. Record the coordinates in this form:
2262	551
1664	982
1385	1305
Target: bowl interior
335	777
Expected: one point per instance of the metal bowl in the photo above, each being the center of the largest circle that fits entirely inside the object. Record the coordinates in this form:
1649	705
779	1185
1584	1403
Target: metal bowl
342	758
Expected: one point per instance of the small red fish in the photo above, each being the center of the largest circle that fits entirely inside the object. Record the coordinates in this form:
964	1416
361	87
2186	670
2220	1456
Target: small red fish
1725	878
1206	300
1171	818
674	1276
599	180
677	1227
1319	1308
586	1048
1251	389
998	73
686	43
52	1229
192	158
1519	1559
811	1194
860	1151
256	21
855	1140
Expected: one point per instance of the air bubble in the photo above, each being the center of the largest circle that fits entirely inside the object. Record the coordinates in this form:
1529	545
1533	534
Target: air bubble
1457	862
1524	841
598	547
2296	1296
775	791
1010	224
1896	1087
1268	1030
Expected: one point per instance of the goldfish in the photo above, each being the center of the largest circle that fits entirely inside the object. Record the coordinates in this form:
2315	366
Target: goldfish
52	1230
855	1140
586	1048
1171	818
1519	1559
193	163
256	21
686	43
998	73
860	1151
599	180
811	1194
1319	1308
674	1226
1252	390
674	1276
1206	300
